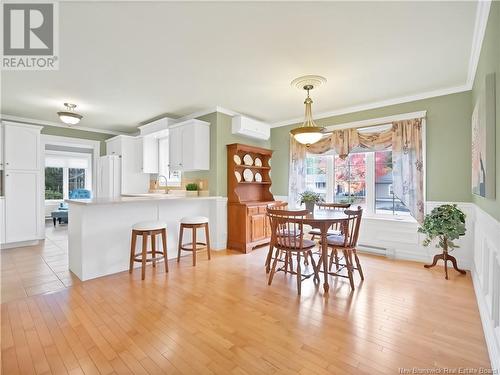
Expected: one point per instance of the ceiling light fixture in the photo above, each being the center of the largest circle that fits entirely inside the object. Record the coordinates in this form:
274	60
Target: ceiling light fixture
309	132
69	116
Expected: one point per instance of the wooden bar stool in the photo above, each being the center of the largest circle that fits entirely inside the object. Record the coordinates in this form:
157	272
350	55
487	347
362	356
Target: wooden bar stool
146	229
193	223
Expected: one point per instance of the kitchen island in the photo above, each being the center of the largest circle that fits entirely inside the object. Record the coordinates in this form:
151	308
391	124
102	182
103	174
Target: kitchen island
99	230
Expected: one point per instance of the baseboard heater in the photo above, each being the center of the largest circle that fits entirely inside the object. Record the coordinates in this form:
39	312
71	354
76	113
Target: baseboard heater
370	249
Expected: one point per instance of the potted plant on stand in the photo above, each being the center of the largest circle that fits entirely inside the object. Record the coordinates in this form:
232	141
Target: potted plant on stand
446	223
310	198
192	190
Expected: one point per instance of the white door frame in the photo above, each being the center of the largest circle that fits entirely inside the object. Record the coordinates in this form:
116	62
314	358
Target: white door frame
56	140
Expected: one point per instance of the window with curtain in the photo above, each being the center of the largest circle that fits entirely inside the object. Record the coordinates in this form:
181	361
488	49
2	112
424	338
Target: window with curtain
65	172
362	179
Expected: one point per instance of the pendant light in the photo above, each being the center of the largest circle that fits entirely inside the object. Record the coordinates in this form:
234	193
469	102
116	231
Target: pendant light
309	132
69	116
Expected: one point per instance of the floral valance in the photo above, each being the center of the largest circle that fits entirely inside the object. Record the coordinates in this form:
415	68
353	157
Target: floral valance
405	139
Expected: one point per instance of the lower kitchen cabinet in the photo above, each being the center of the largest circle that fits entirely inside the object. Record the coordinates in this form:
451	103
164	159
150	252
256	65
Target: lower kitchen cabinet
22	206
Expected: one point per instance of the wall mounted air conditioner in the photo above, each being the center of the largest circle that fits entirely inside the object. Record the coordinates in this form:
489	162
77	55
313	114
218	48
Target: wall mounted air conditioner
250	128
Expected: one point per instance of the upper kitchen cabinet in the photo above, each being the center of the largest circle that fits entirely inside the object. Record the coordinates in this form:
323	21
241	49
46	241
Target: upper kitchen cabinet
130	150
150	154
21	146
189	146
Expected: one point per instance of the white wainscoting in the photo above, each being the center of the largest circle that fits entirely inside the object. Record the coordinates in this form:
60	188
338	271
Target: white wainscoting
486	278
399	239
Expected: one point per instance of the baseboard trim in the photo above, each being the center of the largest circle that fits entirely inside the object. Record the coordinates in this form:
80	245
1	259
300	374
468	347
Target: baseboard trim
19	244
488	328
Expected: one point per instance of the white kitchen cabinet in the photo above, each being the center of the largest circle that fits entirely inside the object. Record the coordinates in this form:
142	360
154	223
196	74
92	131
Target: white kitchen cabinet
22	219
149	154
22	205
2	220
1	146
129	148
21	146
189	146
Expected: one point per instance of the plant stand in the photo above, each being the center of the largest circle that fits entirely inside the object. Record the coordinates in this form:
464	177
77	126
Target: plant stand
445	256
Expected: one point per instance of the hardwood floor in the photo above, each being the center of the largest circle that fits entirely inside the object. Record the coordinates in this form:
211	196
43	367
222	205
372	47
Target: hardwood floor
221	317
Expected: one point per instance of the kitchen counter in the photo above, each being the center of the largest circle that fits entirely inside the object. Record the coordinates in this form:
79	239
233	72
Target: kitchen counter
133	198
99	230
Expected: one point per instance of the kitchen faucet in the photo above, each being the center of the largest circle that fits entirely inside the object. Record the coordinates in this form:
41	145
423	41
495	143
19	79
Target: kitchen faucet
166	182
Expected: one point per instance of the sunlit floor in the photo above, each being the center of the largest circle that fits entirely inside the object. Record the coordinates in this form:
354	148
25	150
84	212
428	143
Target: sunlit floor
35	270
221	317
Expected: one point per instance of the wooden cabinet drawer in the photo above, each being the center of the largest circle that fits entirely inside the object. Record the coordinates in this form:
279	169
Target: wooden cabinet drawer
253	210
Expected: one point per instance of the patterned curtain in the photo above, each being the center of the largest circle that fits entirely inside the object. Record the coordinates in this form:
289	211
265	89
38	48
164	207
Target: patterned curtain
297	172
405	138
408	166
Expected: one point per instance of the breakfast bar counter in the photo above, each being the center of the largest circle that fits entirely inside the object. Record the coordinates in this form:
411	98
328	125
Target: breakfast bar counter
99	230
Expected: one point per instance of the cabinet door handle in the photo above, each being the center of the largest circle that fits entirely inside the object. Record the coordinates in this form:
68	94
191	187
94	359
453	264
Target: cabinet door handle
7	175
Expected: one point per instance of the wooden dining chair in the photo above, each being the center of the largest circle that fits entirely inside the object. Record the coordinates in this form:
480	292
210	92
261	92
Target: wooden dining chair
287	237
315	232
334	229
280	205
346	243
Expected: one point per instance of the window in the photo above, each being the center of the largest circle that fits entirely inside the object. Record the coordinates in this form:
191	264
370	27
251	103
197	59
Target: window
53	183
65	172
350	179
76	179
173	178
362	179
385	200
316	174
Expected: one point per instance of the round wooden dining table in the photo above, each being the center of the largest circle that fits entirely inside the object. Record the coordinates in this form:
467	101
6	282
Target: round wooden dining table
323	219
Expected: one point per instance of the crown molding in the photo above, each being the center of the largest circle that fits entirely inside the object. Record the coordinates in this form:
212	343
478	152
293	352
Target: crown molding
374	105
481	21
32	121
482	13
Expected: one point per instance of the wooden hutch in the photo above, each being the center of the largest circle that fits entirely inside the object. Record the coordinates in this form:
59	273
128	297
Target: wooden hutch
248	224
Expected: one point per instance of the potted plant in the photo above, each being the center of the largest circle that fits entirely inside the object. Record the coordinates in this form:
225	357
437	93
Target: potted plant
310	198
192	190
446	223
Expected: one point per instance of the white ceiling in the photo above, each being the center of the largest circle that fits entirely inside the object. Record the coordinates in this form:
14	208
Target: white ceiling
124	63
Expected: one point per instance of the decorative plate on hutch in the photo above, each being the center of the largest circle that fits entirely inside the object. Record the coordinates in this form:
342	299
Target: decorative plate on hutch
258	177
247	159
248	175
258	162
237	159
238	176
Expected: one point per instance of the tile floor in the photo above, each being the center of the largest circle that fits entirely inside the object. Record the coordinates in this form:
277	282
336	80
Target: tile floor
31	270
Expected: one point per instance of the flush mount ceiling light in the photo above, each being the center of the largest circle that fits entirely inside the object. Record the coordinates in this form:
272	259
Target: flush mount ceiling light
309	132
69	116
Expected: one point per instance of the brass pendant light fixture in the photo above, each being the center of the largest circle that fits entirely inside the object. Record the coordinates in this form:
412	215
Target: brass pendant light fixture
309	132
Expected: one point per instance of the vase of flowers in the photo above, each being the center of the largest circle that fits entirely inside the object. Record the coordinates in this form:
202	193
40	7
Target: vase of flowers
310	198
445	223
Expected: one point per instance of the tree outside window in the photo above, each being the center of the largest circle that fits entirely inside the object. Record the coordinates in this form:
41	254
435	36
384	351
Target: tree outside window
54	183
350	179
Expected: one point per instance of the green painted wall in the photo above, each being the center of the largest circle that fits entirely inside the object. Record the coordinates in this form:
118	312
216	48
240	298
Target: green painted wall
220	136
448	137
489	62
76	133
